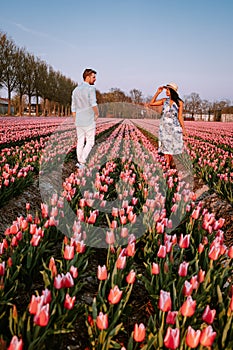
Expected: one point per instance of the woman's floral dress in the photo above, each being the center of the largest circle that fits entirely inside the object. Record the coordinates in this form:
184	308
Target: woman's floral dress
170	131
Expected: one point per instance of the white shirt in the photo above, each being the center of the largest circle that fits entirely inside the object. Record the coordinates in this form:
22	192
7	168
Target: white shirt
83	99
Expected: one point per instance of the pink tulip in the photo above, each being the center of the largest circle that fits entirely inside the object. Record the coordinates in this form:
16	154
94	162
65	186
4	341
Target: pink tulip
80	247
192	337
159	227
208	315
131	277
115	295
102	321
2	268
121	262
130	249
172	338
102	273
171	317
67	280
183	269
74	271
165	302
155	269
162	251
110	237
207	336
195	214
188	308
214	252
230	252
69	302
139	333
231	303
187	289
15	344
68	252
46	293
35	240
184	241
41	318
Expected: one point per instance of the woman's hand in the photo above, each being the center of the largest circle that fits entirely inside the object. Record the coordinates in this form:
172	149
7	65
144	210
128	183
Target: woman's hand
159	90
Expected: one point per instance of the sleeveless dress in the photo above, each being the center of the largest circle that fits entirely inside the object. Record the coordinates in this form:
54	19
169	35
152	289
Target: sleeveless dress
170	131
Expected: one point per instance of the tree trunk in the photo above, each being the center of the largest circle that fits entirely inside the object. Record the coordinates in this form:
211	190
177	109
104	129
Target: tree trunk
37	106
20	104
9	103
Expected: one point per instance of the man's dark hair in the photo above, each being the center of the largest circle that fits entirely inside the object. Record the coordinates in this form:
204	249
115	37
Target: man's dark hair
87	72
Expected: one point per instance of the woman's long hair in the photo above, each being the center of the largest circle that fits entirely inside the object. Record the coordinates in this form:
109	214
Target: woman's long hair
175	97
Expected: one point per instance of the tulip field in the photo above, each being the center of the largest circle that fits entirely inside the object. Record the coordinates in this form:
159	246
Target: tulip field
120	254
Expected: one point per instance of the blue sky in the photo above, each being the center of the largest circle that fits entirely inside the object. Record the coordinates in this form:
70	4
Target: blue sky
131	43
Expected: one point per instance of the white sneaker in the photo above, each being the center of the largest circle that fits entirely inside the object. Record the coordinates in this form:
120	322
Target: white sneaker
80	165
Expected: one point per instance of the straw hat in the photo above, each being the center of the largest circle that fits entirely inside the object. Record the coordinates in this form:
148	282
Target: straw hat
172	86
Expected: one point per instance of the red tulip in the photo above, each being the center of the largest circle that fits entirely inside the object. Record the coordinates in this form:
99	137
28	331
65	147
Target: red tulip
208	315
67	280
162	251
35	240
192	337
16	344
207	336
74	271
68	252
69	302
155	269
159	227
187	289
201	276
171	317
196	213
183	269
130	249
2	268
172	338
189	306
121	262
115	295
35	303
110	237
102	321
165	302
194	282
184	241
214	252
230	252
139	333
80	247
102	273
131	277
52	266
41	318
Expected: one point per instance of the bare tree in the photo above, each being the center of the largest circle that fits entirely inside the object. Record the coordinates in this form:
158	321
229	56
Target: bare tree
192	103
136	96
8	66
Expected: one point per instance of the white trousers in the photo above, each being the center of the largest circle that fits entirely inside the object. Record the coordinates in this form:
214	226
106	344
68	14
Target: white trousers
86	140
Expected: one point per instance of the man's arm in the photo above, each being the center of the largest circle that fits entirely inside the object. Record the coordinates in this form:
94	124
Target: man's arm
96	111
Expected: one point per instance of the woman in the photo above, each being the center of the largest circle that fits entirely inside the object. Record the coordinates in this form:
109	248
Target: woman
171	126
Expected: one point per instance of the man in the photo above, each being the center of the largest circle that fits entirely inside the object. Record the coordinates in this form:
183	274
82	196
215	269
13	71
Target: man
85	110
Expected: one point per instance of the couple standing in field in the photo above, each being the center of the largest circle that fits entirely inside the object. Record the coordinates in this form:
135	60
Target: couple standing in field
85	110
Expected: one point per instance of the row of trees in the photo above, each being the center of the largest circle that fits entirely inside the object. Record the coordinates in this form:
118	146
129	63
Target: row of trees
26	76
